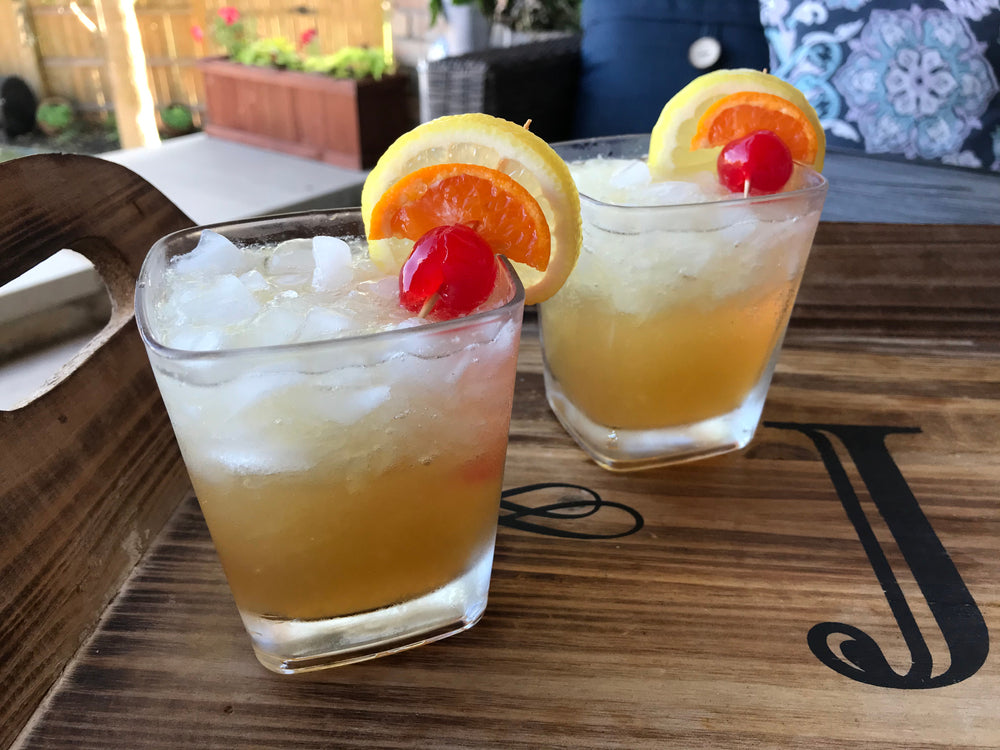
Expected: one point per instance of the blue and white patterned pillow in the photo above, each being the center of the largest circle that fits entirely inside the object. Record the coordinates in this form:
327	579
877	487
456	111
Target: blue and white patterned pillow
916	80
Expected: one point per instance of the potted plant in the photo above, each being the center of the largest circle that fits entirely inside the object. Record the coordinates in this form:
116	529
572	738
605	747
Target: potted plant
525	21
539	15
177	119
55	115
437	7
469	23
343	108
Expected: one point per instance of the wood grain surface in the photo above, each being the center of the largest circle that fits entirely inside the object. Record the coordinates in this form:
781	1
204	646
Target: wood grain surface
864	513
89	470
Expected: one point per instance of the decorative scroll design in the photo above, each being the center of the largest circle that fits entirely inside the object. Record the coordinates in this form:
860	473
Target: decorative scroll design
953	607
572	507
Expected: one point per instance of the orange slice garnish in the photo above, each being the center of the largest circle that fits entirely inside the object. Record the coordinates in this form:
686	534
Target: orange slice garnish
501	211
737	115
672	153
504	148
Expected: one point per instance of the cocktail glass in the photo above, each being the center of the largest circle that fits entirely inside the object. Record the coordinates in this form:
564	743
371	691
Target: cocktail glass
351	485
661	346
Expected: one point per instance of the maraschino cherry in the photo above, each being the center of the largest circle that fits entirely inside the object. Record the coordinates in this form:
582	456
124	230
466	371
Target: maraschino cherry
756	164
450	273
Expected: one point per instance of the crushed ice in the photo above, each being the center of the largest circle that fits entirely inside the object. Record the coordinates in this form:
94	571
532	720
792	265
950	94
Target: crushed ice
301	290
214	254
627	182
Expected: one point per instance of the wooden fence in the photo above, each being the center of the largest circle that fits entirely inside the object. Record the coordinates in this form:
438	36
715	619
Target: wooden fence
57	47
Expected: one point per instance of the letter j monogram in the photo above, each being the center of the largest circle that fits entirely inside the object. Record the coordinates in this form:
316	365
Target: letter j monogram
947	597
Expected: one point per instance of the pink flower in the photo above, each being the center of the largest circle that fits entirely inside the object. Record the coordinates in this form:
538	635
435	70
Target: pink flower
197	34
229	14
306	37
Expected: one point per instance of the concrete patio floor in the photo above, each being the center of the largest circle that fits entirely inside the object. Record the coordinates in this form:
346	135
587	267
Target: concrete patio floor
214	180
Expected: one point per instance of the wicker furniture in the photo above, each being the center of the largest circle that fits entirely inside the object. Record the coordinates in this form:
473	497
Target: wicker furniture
535	81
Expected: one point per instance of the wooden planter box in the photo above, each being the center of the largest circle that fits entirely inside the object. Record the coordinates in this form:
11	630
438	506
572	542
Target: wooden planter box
343	122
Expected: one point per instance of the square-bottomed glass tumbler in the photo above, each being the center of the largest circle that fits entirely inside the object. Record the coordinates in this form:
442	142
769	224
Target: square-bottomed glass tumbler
351	484
661	345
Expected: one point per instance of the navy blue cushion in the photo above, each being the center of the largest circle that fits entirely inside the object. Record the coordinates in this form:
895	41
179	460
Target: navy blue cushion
634	56
913	81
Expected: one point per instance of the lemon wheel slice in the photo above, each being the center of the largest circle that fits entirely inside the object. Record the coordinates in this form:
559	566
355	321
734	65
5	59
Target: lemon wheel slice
671	155
498	144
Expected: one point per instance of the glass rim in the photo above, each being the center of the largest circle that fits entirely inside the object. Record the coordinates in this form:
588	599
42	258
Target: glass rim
819	185
154	345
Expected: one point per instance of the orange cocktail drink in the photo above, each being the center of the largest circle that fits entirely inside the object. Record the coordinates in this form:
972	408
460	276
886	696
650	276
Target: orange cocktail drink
347	454
661	345
702	362
337	545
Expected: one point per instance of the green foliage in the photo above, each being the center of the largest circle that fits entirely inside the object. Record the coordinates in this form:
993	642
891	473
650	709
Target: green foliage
236	34
540	15
276	52
110	125
177	118
233	36
523	15
488	7
348	62
56	115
